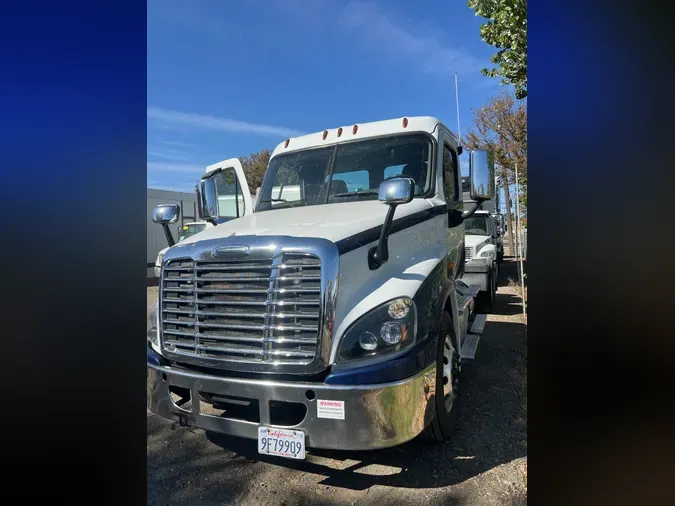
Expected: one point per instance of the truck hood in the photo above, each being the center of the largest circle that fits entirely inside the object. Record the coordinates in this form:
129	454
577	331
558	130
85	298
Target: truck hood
328	221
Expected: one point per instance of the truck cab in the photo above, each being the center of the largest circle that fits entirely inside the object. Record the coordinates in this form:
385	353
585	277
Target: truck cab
481	256
492	206
333	314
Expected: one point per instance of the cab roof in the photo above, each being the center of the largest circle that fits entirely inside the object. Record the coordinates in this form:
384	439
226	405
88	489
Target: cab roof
357	131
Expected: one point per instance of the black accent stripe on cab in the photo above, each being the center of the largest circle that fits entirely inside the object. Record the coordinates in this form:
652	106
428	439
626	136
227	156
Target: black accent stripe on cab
373	234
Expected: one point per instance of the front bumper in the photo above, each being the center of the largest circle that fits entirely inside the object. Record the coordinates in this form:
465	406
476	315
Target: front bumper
476	271
375	416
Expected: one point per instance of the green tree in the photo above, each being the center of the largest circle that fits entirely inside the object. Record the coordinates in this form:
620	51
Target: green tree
254	166
506	29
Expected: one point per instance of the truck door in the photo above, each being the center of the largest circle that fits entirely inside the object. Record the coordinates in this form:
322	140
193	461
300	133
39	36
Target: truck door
448	163
234	196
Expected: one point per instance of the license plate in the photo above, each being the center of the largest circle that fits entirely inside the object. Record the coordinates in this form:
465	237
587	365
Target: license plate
282	442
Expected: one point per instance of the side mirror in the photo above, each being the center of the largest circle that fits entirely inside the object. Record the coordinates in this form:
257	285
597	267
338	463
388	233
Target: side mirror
207	194
396	191
165	215
393	192
481	175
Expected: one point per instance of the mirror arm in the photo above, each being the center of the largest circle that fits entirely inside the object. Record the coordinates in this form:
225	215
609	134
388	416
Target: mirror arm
379	255
472	209
167	233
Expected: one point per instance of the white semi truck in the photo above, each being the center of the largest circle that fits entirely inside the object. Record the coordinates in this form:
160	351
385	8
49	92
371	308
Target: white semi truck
482	257
331	316
493	207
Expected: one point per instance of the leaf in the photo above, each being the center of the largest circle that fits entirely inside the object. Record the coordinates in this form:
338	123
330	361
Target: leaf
506	30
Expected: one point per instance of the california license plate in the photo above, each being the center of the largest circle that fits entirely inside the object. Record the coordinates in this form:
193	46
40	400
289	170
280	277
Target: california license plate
282	442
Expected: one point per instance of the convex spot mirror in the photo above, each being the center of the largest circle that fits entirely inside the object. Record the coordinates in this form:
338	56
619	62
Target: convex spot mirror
396	191
165	214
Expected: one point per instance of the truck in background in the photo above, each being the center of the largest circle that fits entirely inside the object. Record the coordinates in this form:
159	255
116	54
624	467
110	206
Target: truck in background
331	316
493	207
481	257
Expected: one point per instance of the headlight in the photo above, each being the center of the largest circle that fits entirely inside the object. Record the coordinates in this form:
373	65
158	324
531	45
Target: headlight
160	259
153	331
387	329
486	254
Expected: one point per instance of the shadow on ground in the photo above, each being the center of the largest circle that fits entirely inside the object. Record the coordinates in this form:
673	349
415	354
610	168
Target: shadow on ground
492	431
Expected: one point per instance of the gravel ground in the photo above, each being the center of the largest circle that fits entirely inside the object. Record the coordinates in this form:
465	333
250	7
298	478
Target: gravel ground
485	463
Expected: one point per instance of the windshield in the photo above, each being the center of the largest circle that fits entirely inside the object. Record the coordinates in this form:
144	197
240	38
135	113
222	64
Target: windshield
346	172
476	225
190	230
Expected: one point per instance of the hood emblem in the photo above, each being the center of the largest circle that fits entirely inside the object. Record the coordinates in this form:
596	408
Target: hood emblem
227	252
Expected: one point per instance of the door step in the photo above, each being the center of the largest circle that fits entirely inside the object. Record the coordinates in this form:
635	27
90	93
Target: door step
468	290
463	303
469	346
478	324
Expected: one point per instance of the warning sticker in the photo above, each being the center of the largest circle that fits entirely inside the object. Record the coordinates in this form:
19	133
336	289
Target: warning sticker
330	409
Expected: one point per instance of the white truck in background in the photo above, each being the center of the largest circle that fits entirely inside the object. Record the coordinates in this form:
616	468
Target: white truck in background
481	257
333	314
493	207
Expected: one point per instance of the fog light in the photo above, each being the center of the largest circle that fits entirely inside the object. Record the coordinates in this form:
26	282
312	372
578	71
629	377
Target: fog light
391	333
153	335
368	341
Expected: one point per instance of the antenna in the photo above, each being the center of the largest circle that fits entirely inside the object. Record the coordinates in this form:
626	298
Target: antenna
459	131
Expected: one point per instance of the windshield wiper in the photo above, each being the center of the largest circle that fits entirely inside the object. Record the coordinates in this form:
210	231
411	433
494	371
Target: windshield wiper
282	200
357	192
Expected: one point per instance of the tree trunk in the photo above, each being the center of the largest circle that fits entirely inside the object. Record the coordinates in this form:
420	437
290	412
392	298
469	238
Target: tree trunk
507	200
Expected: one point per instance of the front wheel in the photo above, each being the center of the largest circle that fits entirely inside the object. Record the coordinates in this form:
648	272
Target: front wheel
447	384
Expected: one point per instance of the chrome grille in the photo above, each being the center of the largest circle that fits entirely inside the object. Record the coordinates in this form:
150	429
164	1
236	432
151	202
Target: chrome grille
468	252
264	311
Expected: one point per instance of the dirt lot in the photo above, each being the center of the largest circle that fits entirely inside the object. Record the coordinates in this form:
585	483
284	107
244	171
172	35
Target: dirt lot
485	463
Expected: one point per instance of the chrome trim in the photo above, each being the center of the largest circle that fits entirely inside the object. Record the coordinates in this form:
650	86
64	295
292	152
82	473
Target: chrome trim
376	416
260	248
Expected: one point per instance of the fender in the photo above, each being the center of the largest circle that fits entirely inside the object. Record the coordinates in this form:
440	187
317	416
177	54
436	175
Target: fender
448	302
430	299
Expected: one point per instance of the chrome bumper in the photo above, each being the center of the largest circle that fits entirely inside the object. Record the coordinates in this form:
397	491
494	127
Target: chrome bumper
375	416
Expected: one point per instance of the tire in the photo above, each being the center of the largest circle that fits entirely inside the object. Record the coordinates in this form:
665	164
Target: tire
445	418
485	302
500	257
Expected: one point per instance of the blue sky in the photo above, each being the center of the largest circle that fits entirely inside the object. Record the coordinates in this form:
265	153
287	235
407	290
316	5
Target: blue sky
226	78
